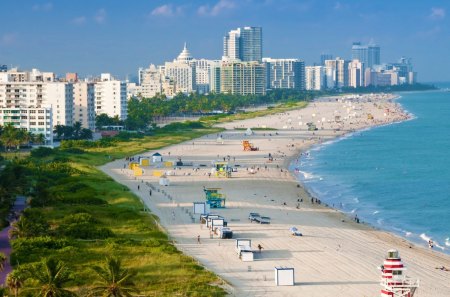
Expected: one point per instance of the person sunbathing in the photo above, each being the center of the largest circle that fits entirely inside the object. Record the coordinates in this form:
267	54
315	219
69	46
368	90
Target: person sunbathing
443	268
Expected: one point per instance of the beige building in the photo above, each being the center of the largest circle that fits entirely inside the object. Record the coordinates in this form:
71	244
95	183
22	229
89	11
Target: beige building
83	104
243	78
355	74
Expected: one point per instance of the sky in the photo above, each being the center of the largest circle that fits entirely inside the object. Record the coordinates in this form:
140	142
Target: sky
94	36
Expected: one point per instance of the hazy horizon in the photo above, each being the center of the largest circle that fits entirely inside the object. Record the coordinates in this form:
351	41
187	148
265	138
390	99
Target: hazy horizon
90	37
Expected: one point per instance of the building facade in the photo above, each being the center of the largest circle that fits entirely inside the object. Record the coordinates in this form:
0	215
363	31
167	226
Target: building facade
315	78
367	54
183	72
84	104
285	73
337	72
111	97
356	74
243	78
245	44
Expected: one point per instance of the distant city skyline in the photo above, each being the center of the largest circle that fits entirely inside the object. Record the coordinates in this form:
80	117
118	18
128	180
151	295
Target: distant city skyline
91	37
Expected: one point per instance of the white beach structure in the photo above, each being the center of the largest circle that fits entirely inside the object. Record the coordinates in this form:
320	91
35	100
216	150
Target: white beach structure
284	276
157	158
200	208
249	132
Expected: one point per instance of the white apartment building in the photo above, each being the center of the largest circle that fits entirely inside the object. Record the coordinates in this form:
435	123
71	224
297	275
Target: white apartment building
315	78
111	97
337	72
183	72
83	104
37	120
285	73
59	96
355	74
203	74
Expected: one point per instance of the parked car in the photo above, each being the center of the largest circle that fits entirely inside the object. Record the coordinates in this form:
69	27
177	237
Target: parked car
253	216
263	220
225	233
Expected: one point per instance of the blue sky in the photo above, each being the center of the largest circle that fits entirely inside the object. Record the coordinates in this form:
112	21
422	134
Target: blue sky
94	36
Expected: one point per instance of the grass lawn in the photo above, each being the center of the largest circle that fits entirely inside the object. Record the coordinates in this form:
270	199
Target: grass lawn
71	186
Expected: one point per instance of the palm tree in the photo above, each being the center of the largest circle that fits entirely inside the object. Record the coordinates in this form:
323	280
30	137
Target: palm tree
9	136
51	276
3	259
40	138
14	281
115	281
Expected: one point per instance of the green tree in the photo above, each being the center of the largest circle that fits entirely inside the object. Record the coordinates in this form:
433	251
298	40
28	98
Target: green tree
15	280
9	136
40	138
3	259
51	277
115	281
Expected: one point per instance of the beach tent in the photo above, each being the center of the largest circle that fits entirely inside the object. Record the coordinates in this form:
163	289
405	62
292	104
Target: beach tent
284	276
201	208
248	132
157	158
164	181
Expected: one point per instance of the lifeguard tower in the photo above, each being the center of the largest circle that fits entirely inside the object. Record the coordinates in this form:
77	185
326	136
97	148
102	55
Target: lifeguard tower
247	146
222	169
214	198
394	281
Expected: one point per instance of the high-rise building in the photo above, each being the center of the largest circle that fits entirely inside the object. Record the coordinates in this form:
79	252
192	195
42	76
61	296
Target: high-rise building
59	96
150	82
337	72
285	73
203	70
315	78
244	44
367	54
324	57
214	80
111	97
84	104
3	68
37	120
72	77
183	72
355	74
242	78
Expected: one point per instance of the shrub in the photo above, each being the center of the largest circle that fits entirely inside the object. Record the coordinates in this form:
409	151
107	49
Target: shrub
41	152
27	250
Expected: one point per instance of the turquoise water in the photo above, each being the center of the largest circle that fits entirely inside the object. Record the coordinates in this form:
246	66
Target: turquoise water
395	177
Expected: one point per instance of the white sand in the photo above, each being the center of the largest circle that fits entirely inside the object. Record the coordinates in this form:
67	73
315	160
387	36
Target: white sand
335	257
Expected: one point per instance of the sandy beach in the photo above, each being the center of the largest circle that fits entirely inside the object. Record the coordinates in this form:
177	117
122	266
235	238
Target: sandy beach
335	256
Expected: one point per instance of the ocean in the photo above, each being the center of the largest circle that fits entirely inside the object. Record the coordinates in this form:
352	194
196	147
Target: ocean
394	177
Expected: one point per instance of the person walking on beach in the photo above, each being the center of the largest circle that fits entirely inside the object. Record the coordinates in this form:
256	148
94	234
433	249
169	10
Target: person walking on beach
198	239
260	248
150	192
138	187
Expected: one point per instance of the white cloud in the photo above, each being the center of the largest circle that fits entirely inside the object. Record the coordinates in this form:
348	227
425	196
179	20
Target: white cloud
217	9
167	10
8	39
100	16
43	7
79	20
437	13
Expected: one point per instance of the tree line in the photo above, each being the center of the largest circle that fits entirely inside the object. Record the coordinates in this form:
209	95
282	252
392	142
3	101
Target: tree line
11	137
143	111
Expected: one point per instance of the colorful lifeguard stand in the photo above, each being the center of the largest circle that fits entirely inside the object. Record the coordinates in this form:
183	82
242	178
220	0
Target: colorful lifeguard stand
214	198
222	169
247	146
394	281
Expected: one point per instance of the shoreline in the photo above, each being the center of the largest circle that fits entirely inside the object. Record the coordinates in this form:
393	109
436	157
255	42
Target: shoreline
353	250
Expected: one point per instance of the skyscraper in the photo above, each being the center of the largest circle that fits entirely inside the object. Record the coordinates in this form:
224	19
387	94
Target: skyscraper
368	54
285	73
324	57
242	78
355	74
244	44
